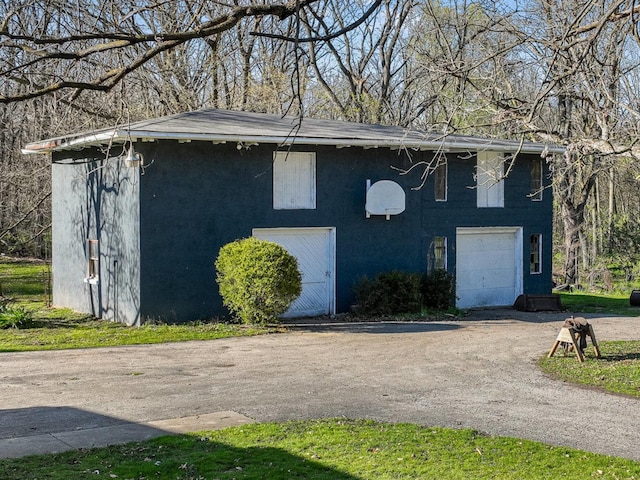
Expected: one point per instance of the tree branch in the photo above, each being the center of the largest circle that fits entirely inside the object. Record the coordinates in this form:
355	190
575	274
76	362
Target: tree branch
614	16
25	216
325	38
116	42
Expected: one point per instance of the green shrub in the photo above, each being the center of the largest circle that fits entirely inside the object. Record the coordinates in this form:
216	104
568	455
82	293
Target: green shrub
438	288
14	316
258	280
389	293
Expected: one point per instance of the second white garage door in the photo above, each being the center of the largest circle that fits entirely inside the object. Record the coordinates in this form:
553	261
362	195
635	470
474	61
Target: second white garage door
488	266
314	248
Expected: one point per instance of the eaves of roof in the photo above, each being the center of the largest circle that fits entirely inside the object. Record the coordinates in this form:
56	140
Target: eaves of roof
220	126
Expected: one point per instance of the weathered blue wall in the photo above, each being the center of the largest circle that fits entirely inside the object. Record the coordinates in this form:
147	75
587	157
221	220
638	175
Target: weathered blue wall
196	197
460	210
160	227
98	199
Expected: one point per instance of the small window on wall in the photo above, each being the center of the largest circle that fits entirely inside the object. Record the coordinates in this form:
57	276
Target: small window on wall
490	179
440	181
438	254
536	179
536	253
294	180
94	259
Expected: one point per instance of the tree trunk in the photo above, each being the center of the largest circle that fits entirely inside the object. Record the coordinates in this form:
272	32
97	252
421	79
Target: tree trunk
611	205
572	191
571	223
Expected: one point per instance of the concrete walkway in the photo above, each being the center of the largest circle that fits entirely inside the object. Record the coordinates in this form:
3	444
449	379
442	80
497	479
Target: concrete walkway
478	373
117	432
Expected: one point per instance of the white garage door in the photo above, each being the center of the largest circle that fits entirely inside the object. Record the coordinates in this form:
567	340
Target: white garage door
314	248
488	266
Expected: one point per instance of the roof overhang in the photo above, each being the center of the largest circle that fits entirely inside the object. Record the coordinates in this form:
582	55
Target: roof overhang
449	144
220	126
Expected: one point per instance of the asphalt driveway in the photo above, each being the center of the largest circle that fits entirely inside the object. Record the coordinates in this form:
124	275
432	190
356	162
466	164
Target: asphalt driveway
478	373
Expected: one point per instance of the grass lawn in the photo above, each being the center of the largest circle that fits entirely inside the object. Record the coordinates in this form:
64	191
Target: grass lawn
611	304
54	328
326	449
323	449
617	371
65	334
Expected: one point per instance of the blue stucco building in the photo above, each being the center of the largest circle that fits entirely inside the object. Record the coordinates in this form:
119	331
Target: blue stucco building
141	211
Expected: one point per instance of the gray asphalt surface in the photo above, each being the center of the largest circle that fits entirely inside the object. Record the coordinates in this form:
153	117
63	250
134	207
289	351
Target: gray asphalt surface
478	373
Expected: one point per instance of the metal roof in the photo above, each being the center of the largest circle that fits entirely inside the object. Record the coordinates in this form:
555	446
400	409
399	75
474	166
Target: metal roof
220	126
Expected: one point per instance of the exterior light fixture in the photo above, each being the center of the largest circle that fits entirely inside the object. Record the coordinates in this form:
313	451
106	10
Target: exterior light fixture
133	158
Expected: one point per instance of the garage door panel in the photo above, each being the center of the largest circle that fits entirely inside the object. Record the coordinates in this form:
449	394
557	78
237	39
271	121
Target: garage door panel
492	258
314	248
488	243
488	266
491	297
500	243
499	278
310	250
312	301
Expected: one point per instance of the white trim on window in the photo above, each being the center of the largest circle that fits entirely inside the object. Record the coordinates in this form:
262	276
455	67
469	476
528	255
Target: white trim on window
294	180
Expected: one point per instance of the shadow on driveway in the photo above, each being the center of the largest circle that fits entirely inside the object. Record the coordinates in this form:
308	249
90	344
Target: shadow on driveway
511	314
347	324
374	327
39	430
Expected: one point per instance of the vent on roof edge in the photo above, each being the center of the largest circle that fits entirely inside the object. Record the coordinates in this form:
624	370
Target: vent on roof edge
384	197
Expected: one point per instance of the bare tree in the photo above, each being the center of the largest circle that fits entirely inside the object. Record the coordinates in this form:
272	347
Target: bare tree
544	70
95	45
361	75
588	48
68	66
566	72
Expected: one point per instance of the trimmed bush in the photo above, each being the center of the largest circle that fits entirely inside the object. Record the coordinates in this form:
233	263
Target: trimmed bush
389	293
258	280
438	288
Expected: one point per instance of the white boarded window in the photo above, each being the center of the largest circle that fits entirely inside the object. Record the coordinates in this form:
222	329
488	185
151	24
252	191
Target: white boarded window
294	180
490	179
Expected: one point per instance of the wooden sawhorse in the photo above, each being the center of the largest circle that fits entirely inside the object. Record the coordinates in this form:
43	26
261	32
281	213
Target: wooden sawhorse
571	335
